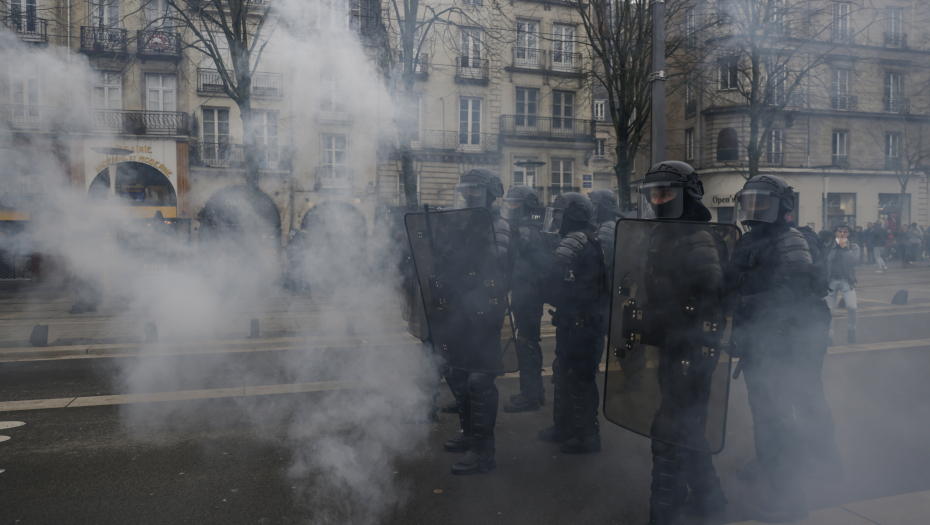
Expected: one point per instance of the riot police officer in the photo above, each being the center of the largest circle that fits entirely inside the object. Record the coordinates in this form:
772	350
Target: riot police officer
684	274
781	326
521	209
475	393
577	277
607	213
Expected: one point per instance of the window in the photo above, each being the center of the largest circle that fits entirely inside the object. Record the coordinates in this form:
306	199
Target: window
334	150
729	73
104	13
839	86
691	27
216	134
471	48
600	107
524	174
894	26
690	96
775	147
222	50
563	48
160	92
689	143
892	149
563	111
266	125
841	29
156	12
600	148
473	2
24	93
839	148
469	121
776	14
527	52
107	92
561	173
841	207
526	108
330	93
23	15
777	81
362	17
727	145
893	101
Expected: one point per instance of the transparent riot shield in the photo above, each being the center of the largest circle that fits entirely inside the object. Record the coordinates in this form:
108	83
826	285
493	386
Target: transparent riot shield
668	370
463	290
412	306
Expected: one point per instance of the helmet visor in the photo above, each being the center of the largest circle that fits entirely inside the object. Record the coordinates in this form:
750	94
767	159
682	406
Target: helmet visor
470	195
553	220
757	205
513	209
661	200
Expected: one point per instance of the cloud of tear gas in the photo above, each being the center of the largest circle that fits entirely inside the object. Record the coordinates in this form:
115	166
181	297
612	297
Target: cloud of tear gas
344	443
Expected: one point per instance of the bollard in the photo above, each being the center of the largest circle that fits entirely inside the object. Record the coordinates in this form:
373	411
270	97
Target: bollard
900	297
39	336
151	333
255	329
350	325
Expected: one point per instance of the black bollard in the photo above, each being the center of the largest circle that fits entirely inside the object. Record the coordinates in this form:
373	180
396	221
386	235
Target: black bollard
151	332
900	297
255	329
39	336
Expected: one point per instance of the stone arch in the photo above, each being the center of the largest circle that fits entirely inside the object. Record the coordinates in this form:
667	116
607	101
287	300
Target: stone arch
137	184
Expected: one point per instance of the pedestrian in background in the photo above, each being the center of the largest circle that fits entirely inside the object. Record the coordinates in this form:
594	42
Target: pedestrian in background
903	245
867	244
841	257
877	236
915	237
855	237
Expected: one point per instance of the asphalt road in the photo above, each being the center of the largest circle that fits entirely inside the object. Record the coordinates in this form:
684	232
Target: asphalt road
255	460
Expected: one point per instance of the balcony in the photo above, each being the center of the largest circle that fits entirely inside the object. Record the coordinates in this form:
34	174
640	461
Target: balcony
842	35
140	122
454	141
420	65
531	59
158	45
844	102
896	40
28	117
28	28
551	128
225	155
103	41
896	105
334	178
840	161
270	85
471	70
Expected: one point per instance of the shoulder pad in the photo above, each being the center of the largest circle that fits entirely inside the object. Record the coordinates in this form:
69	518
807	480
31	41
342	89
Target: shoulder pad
605	232
793	251
570	247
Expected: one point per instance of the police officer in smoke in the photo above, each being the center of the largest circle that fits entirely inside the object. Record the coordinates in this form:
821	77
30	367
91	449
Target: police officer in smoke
781	325
606	215
684	278
576	277
522	210
475	393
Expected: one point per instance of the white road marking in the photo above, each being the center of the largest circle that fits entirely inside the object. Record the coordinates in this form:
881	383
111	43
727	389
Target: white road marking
10	424
4	438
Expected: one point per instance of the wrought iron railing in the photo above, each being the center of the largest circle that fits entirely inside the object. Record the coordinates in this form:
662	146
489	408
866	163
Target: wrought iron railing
28	27
334	178
102	40
28	116
547	127
263	84
896	40
472	70
529	58
140	122
158	44
454	140
233	155
542	60
896	105
844	102
565	61
842	34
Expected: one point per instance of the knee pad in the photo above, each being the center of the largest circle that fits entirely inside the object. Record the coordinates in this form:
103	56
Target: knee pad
478	382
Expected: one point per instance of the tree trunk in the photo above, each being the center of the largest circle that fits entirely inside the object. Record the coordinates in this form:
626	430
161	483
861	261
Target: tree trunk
622	171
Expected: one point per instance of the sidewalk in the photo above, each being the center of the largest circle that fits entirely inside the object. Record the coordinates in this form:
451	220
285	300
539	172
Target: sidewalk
904	509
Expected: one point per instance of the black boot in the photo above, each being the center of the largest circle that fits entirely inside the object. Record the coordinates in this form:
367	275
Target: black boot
530	374
668	486
450	408
561	430
586	431
460	443
522	403
484	398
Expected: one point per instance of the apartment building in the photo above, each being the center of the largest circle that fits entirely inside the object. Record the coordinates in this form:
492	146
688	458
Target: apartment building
847	136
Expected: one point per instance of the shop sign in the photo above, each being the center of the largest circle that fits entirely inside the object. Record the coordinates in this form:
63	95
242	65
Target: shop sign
722	200
140	153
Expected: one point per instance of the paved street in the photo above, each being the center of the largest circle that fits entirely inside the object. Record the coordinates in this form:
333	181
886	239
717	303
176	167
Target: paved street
294	427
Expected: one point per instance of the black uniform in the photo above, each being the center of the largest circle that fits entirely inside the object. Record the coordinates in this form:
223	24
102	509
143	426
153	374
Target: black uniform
780	330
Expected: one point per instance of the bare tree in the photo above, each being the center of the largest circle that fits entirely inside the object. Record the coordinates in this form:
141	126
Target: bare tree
242	29
906	144
619	42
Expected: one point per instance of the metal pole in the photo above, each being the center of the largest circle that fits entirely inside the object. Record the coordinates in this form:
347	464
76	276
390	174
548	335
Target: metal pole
826	180
658	79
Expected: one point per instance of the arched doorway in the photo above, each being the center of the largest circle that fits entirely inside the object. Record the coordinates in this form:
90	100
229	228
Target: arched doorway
329	252
137	184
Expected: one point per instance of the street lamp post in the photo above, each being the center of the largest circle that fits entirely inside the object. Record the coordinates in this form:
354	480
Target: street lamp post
111	166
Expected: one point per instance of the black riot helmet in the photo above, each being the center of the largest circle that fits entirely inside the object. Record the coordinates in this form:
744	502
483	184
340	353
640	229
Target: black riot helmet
764	199
521	203
569	212
667	188
478	188
605	204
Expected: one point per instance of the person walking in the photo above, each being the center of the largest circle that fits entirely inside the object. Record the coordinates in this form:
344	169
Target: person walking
877	236
841	257
915	237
